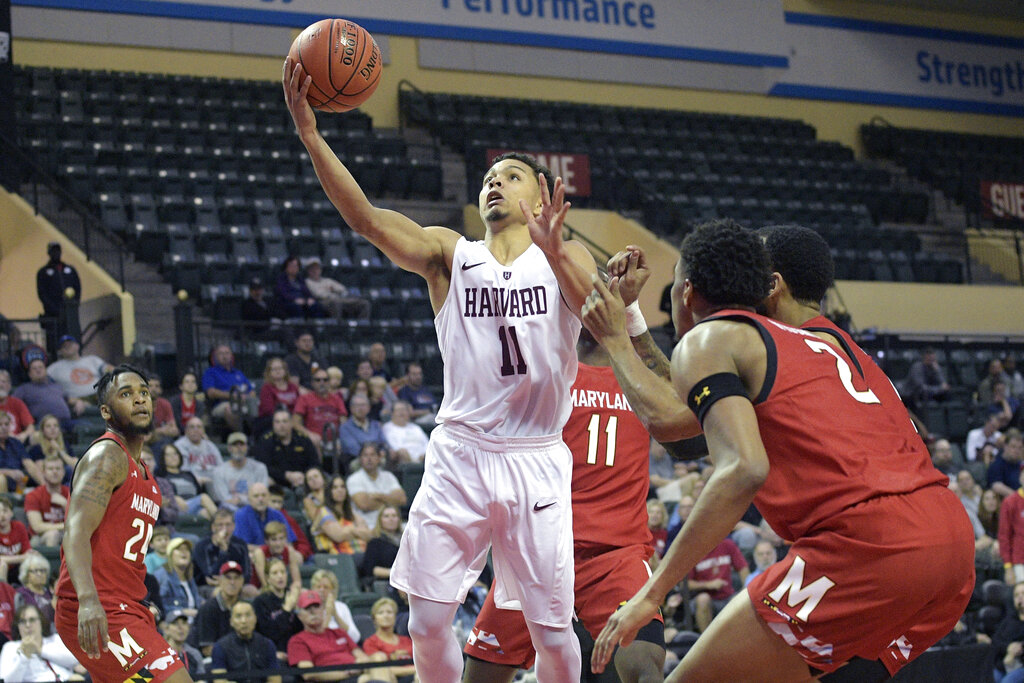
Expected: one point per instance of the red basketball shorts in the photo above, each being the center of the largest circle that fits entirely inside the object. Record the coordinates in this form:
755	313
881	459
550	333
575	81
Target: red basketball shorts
883	580
136	652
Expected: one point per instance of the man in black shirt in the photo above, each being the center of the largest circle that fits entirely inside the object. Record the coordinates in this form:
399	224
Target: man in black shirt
286	454
244	650
51	282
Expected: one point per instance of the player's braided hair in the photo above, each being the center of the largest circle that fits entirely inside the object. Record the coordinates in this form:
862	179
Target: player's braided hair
104	383
802	257
727	264
534	165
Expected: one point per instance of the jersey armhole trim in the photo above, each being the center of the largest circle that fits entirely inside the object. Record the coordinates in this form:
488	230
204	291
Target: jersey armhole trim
843	343
771	354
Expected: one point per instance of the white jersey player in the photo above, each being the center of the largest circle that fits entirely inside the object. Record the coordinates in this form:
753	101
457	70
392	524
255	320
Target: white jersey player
497	473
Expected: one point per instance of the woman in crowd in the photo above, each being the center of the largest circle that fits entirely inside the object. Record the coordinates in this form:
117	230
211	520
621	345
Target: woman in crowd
178	589
189	402
292	297
382	549
275	606
988	513
359	387
338	614
386	645
340	505
277	391
34	575
657	522
36	654
188	493
49	440
335	379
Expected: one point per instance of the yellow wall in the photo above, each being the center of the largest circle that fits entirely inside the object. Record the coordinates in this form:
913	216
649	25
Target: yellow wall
23	243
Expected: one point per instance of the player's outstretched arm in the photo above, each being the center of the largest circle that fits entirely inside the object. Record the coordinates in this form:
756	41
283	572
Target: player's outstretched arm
653	398
630	266
571	261
102	469
405	242
741	465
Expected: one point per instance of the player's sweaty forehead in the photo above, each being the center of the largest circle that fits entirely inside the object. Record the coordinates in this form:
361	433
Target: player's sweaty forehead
506	166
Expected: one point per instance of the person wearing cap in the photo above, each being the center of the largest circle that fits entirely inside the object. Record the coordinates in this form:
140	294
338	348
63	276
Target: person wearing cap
243	649
318	645
231	480
76	374
52	281
178	589
214	618
255	309
334	296
175	628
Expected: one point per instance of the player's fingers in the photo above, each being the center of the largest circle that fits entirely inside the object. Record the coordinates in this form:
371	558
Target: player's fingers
599	286
104	636
634	261
545	196
613	287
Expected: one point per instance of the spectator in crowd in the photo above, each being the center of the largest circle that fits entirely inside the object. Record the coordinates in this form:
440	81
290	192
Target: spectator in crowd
292	298
14	461
220	547
420	397
6	611
43	396
188	496
986	547
200	455
36	654
286	454
189	402
333	534
213	620
316	484
49	440
660	466
301	543
1016	379
255	309
333	295
382	548
359	387
339	503
34	575
406	442
335	382
337	613
318	645
278	390
175	629
765	556
1011	534
942	458
358	429
1008	640
173	505
304	360
377	354
275	606
1004	472
1003	405
319	408
251	519
52	282
657	523
46	506
157	555
984	441
230	481
371	487
364	369
276	547
988	512
243	649
24	424
387	646
228	390
381	398
710	581
165	426
986	386
178	589
926	380
74	373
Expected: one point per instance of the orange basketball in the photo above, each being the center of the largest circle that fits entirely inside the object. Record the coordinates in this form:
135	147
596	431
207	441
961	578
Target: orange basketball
344	61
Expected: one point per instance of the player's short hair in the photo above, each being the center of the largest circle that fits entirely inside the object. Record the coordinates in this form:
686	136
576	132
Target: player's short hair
105	383
534	165
802	257
727	264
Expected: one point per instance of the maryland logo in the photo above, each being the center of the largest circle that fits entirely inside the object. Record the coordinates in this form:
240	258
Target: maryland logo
704	393
141	676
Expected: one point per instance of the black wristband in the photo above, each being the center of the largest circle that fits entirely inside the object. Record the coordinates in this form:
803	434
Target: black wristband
711	389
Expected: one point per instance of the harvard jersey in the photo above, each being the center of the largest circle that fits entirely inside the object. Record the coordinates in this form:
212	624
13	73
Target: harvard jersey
835	434
610	450
120	542
508	341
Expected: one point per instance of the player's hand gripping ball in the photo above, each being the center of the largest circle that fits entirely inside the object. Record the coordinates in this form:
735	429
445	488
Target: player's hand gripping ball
343	60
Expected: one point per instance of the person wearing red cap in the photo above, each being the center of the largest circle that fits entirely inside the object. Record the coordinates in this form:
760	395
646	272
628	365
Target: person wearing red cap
214	618
318	645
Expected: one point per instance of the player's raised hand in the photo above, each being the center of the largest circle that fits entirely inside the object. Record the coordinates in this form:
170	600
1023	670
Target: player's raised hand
92	628
621	629
604	314
546	229
296	86
630	266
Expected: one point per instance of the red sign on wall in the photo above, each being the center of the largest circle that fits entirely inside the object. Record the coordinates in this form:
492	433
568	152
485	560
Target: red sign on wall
1002	200
573	168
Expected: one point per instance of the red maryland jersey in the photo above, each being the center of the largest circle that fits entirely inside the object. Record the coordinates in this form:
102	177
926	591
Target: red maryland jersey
610	450
835	430
120	542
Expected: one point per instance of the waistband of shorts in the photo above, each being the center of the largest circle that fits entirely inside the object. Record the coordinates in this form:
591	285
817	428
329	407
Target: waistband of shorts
492	442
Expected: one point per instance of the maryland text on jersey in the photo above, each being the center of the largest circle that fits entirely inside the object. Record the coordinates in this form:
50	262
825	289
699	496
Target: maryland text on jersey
589	398
498	302
145	506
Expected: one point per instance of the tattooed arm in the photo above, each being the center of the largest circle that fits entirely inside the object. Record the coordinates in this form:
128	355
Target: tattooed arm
103	468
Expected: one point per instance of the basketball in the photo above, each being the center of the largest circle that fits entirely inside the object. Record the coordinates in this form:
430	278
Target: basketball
344	61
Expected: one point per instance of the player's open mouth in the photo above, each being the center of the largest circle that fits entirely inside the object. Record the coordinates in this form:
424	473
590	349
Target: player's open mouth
494	198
